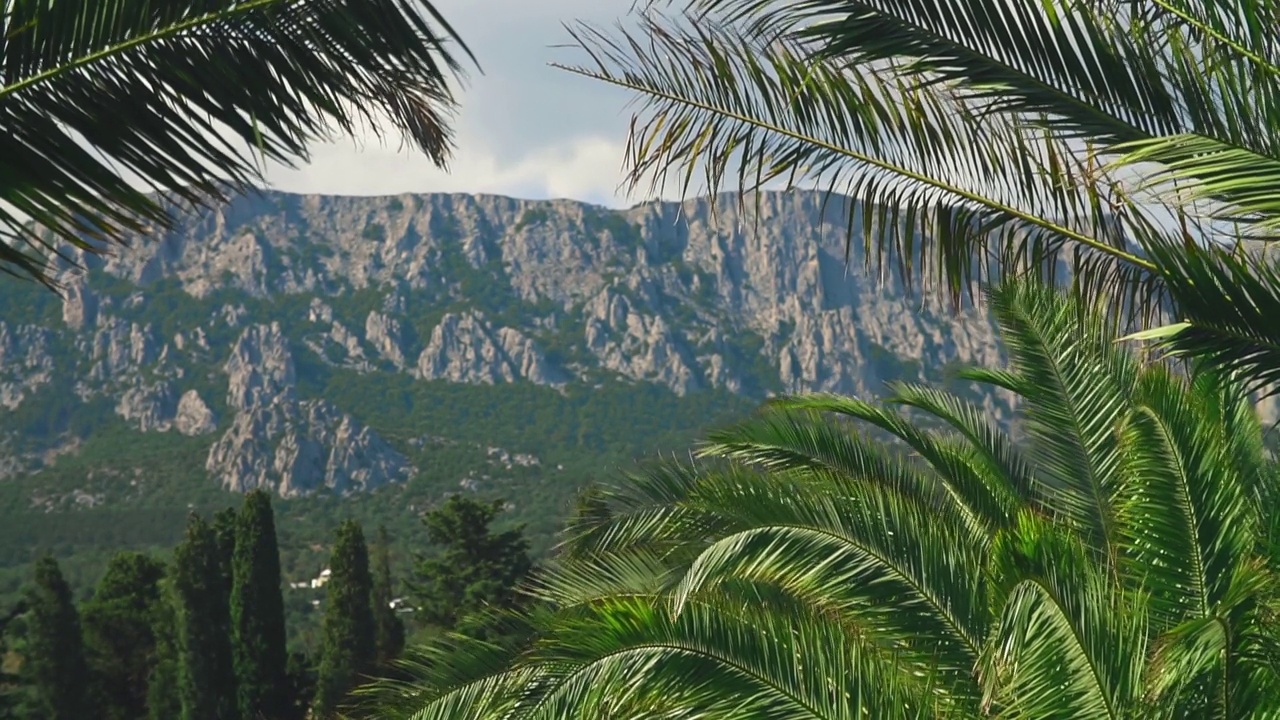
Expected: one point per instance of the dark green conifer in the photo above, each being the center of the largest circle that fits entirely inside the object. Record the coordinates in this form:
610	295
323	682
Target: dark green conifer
206	683
163	702
475	569
119	634
257	611
349	649
54	663
224	529
388	626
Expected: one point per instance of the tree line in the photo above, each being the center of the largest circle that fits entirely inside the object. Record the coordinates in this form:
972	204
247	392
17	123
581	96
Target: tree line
203	635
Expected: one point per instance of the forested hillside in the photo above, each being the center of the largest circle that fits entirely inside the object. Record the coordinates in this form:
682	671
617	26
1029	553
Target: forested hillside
363	357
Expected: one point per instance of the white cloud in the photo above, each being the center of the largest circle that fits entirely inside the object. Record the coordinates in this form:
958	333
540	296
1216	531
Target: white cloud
525	129
582	168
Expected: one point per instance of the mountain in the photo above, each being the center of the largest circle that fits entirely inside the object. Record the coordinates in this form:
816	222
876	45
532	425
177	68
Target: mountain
341	349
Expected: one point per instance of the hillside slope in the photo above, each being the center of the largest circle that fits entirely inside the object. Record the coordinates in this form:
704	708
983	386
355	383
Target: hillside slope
365	355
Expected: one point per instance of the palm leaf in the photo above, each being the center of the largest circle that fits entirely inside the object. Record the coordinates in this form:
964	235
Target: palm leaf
1187	515
180	94
905	572
1228	302
983	499
1075	388
949	190
1071	640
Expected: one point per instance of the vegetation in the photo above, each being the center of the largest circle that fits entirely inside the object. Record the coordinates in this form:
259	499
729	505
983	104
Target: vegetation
389	632
181	641
257	611
1117	562
981	140
202	623
349	653
56	671
473	569
120	634
140	86
573	434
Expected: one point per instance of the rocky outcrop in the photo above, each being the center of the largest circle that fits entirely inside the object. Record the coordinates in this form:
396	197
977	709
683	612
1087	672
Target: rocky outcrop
79	303
466	348
193	416
25	362
148	406
384	334
291	447
299	448
464	289
260	371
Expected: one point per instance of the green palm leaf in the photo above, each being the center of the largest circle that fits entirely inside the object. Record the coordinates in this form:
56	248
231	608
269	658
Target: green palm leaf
1072	641
949	189
1076	389
181	93
1228	302
1119	562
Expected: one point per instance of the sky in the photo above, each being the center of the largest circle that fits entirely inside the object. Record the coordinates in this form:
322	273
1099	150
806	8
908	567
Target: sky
524	129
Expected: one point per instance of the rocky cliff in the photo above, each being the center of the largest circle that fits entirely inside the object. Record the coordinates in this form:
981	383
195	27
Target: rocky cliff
211	330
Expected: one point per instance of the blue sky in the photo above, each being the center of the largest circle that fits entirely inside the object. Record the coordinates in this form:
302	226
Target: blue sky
525	129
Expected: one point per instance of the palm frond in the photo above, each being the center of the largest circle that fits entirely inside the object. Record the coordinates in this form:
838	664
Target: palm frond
1186	514
720	659
93	91
860	556
1172	82
1228	302
1072	640
1000	455
949	190
984	500
1075	388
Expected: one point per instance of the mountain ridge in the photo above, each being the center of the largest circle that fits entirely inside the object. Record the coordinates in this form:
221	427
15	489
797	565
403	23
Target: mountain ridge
210	329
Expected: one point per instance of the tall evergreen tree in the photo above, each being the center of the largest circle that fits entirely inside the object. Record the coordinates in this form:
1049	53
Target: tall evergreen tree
257	611
349	646
119	634
224	529
163	701
206	683
54	663
476	569
389	629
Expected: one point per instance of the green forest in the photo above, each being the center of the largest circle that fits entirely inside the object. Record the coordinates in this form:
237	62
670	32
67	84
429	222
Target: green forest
580	437
1102	177
208	625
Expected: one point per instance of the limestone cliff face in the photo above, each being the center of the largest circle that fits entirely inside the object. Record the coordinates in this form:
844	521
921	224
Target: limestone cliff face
277	442
467	348
210	330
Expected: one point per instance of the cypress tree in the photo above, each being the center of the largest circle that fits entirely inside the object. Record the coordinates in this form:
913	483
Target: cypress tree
119	636
257	611
389	630
349	647
206	683
163	702
54	662
224	529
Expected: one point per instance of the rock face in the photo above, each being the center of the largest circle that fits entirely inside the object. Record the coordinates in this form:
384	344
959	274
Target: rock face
25	362
193	416
466	348
276	442
228	327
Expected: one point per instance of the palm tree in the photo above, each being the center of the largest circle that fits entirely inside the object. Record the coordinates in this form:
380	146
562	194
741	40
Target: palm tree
1136	143
1118	559
190	97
